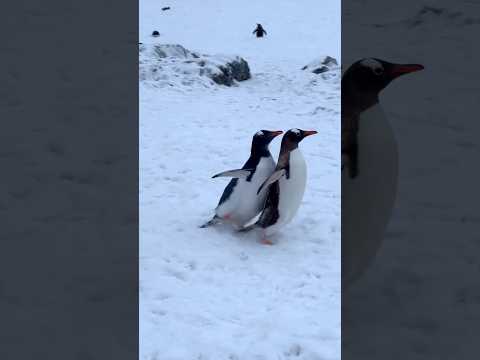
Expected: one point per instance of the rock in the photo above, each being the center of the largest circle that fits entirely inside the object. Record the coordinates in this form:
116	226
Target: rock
166	8
167	64
173	51
235	69
155	33
322	65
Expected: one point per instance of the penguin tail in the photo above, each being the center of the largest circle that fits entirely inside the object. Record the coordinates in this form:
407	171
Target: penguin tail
213	221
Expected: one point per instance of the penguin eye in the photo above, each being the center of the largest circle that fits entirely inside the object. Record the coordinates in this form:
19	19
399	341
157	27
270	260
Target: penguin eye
378	70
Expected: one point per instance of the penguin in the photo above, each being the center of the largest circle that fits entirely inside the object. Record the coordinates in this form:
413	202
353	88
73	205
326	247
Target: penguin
286	186
240	200
369	162
259	31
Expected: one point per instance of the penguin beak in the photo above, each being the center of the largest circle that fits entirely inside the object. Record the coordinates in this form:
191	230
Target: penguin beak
276	133
309	132
402	69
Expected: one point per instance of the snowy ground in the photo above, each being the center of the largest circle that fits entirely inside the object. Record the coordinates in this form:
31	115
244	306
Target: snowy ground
209	293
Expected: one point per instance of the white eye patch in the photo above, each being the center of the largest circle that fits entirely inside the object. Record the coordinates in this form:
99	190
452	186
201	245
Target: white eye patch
373	64
259	133
295	131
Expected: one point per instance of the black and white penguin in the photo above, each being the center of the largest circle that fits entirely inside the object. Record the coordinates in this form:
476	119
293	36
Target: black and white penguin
240	201
286	186
369	162
259	31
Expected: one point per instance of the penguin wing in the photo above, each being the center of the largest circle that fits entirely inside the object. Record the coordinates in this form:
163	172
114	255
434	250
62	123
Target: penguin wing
274	177
237	173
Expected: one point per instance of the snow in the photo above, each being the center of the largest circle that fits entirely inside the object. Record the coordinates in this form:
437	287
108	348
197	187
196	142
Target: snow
211	293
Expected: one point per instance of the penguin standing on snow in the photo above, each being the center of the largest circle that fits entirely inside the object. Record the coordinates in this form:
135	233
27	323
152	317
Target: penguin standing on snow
259	31
241	200
285	186
369	162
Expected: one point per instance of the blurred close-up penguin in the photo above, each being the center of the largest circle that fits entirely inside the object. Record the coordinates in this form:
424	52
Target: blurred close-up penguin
369	162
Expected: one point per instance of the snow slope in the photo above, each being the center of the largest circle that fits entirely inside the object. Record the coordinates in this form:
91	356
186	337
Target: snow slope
210	293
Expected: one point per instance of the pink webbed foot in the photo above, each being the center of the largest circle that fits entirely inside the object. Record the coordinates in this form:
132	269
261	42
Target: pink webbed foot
266	241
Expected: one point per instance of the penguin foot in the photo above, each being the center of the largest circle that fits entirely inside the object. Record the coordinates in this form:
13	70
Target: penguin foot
266	241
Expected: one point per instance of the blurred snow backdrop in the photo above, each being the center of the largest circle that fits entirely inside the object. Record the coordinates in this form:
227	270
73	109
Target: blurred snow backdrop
211	294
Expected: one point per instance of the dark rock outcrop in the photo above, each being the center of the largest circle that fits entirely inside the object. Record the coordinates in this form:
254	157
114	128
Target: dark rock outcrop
235	69
171	63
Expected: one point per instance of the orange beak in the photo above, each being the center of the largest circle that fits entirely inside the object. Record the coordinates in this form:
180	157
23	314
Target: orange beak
399	70
309	132
276	133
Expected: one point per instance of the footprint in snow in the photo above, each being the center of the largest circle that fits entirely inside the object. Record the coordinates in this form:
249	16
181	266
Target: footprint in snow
294	351
175	273
159	312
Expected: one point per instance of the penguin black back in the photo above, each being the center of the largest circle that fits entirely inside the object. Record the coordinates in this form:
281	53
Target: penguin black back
259	148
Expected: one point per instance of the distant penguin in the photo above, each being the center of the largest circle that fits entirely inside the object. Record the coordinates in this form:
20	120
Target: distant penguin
259	31
369	162
240	200
286	186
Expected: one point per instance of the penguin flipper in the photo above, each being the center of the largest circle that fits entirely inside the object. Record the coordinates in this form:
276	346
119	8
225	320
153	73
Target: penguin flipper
250	224
237	173
247	228
274	177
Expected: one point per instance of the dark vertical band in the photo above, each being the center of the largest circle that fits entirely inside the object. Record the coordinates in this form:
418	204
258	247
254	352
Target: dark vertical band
69	180
420	299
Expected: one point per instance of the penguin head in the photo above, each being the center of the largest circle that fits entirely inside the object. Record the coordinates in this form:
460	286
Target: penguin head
373	75
293	136
262	138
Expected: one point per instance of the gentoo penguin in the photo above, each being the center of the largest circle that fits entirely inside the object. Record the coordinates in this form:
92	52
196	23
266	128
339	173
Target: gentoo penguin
240	201
369	153
285	186
259	31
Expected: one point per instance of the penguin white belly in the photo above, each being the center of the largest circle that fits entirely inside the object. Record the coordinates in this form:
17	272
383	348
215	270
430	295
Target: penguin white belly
291	190
368	199
244	203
